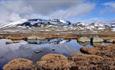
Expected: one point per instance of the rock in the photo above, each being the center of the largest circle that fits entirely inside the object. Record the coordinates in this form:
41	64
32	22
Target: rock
97	40
19	64
83	39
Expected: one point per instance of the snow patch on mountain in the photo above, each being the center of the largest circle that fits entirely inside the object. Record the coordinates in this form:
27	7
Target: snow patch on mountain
14	23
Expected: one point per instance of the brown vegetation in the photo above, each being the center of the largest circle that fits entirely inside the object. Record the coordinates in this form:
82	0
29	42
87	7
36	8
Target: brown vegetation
19	64
105	51
53	62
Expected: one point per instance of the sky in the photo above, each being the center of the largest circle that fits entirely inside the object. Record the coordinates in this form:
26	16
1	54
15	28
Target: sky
72	10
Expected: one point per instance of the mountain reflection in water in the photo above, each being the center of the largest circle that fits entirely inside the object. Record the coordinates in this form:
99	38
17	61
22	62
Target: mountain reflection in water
34	50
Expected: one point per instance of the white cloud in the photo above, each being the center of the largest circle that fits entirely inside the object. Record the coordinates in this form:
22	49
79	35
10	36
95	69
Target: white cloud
12	10
76	10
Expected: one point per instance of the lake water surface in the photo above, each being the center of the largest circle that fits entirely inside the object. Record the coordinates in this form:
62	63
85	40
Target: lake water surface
34	50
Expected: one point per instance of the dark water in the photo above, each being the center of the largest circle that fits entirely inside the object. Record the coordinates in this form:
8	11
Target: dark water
1	66
35	49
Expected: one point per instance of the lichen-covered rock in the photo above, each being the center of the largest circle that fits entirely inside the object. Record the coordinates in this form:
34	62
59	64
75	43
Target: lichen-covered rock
19	64
97	40
53	62
83	39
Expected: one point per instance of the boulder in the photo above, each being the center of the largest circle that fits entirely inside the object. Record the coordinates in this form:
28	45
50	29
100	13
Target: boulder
97	40
83	39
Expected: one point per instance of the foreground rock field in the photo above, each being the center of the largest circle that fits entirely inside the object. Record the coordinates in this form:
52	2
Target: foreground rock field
96	58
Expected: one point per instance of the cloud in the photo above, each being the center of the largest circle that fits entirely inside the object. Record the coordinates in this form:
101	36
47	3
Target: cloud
13	10
110	7
76	10
110	4
49	6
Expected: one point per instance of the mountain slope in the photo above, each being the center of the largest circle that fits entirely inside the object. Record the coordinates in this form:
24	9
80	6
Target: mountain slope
14	23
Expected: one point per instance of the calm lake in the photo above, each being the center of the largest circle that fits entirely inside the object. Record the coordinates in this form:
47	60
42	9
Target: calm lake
35	49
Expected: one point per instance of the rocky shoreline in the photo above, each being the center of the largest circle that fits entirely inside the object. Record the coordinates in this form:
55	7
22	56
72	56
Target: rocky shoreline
95	58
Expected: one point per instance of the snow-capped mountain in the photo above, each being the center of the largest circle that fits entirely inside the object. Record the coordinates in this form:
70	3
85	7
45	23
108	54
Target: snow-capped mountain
33	22
37	23
79	25
43	22
94	26
98	26
113	26
57	24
